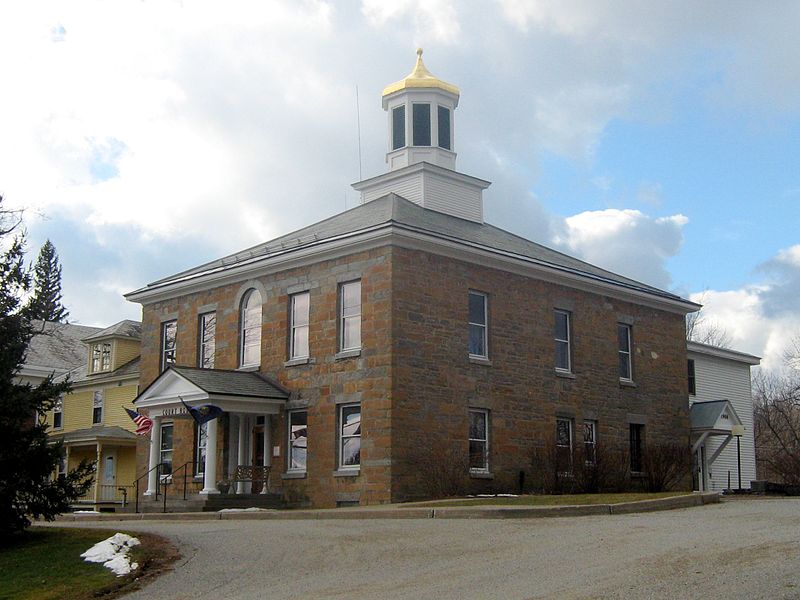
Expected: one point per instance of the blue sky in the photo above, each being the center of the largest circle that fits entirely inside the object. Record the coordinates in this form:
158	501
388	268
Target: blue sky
660	140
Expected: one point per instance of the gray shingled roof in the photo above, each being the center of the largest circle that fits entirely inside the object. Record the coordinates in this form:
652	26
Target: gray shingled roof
704	415
397	211
81	373
126	329
233	383
58	345
100	433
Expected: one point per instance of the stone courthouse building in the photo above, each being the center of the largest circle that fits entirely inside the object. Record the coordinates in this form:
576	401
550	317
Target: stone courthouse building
341	350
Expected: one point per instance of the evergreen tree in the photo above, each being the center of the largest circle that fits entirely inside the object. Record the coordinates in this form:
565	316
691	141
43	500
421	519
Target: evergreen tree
45	303
27	461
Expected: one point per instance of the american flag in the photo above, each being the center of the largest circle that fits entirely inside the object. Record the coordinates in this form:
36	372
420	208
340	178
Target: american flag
143	423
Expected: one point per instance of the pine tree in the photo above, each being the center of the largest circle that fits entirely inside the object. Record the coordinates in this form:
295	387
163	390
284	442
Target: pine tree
27	459
45	303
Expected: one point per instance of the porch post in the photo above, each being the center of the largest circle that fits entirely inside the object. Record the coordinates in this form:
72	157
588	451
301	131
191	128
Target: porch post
242	455
267	451
97	473
155	447
210	475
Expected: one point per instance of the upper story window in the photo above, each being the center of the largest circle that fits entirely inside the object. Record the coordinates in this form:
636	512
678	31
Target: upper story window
250	330
207	339
97	408
478	346
169	332
101	357
298	440
350	316
562	339
421	124
298	325
478	439
444	127
349	436
58	413
692	380
398	127
624	340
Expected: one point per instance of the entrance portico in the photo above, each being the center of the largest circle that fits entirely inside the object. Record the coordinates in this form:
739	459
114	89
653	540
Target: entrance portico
716	419
244	395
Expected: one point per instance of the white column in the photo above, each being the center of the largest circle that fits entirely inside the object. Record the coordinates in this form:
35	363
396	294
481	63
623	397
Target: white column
242	455
98	473
210	475
155	447
267	452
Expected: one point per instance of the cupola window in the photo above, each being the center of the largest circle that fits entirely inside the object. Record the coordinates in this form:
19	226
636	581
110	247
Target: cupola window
421	114
444	127
398	127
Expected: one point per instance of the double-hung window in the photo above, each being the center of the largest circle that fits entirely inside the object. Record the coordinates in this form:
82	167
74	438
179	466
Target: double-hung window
564	445
350	316
636	447
350	436
165	450
590	441
97	408
562	340
250	330
478	440
200	448
298	325
298	441
101	357
478	338
624	341
58	413
169	332
207	342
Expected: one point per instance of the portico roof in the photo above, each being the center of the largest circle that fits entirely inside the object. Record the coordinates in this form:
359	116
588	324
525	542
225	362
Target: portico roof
715	417
92	435
232	391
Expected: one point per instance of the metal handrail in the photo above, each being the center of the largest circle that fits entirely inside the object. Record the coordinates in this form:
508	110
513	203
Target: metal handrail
185	474
136	483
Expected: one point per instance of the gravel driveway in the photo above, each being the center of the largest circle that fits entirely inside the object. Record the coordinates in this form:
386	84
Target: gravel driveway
742	548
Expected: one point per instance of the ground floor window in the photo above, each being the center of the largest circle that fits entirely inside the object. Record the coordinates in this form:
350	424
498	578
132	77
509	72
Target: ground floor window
61	468
350	436
166	449
564	445
478	439
201	443
637	447
590	441
298	440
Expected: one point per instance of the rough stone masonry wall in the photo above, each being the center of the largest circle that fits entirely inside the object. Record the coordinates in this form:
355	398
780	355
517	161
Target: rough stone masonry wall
435	383
319	385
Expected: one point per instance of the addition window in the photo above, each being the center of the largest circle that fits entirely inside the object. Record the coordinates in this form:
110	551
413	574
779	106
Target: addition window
624	340
692	380
590	441
165	451
636	447
169	331
350	436
563	445
421	123
58	413
477	325
298	441
97	408
207	334
350	316
444	127
478	440
101	357
250	330
398	127
200	446
562	340
298	325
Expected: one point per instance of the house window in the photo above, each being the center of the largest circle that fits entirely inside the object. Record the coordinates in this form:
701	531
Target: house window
350	316
298	325
624	340
478	439
298	441
61	467
444	127
398	127
564	445
101	357
169	331
561	335
421	123
590	441
477	325
165	455
637	447
692	380
97	408
350	436
250	334
58	413
207	337
201	443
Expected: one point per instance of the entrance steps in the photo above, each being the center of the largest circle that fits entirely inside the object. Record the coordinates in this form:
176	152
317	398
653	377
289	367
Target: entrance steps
210	503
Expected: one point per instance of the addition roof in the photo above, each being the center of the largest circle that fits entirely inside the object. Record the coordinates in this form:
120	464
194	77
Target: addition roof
394	211
124	329
704	415
57	346
80	374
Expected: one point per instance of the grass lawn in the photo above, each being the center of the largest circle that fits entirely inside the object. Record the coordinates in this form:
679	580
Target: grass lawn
44	563
553	500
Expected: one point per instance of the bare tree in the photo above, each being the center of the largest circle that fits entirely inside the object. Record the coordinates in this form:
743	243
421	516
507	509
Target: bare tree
700	328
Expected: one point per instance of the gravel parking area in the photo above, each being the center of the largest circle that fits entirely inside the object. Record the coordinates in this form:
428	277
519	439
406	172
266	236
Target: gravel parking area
742	548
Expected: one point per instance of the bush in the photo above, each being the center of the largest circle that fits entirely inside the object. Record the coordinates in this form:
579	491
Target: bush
665	466
443	469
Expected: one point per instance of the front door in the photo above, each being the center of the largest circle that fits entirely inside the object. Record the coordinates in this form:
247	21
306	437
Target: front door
258	455
108	481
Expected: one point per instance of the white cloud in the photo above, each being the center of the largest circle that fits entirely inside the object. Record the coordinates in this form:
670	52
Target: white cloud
431	19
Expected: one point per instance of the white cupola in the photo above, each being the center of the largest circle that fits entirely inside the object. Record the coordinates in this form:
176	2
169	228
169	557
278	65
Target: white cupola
421	152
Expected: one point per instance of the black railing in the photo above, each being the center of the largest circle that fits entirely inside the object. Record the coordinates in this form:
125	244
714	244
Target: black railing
183	467
157	468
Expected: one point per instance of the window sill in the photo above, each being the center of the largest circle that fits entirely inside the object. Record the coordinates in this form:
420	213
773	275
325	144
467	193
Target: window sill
565	374
627	383
344	354
481	475
479	360
347	473
249	368
294	475
294	362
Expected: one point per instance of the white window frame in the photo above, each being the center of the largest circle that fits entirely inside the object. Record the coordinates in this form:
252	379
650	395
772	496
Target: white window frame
200	448
295	329
58	409
567	341
346	319
484	326
203	344
101	357
245	339
289	442
628	354
342	437
484	440
98	402
170	450
590	424
168	354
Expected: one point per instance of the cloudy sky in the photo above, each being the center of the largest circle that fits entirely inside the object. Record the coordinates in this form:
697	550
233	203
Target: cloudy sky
659	140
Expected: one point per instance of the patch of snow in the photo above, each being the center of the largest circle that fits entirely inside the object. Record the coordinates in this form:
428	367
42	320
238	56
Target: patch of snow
85	512
251	509
494	496
113	553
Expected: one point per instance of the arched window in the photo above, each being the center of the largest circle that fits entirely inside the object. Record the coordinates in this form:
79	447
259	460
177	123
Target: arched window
250	330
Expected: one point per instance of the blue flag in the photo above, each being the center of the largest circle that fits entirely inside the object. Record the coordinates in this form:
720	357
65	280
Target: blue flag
203	413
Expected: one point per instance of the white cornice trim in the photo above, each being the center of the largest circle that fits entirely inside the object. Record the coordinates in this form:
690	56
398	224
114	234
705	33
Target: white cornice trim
416	168
726	353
